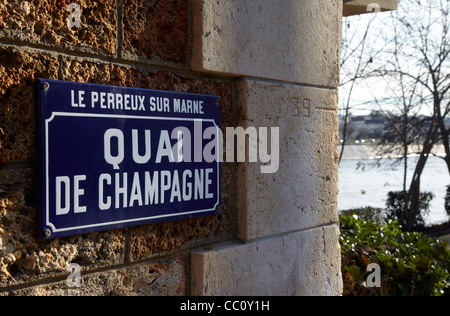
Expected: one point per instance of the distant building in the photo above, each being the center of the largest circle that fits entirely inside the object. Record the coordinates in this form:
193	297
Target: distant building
367	127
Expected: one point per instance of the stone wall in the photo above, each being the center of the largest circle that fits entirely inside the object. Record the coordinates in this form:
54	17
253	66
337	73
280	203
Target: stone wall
273	63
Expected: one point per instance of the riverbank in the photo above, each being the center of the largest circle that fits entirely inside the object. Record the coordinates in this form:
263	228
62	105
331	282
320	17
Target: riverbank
438	230
369	151
441	232
446	239
359	187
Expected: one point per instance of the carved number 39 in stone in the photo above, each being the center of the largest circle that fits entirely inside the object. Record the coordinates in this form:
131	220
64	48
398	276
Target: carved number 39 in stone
74	19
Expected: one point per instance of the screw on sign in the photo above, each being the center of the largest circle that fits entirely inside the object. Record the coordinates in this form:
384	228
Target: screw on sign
74	19
374	7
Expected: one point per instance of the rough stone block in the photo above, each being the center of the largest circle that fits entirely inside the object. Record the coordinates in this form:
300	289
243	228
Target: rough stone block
302	263
307	178
154	240
290	40
157	279
45	22
25	259
156	28
18	72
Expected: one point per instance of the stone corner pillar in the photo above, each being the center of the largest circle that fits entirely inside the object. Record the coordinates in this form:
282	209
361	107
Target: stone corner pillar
286	56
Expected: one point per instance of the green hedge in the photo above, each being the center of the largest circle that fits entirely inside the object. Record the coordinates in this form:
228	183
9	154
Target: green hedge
412	264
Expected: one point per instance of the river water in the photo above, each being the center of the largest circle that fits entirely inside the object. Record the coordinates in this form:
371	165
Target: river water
370	184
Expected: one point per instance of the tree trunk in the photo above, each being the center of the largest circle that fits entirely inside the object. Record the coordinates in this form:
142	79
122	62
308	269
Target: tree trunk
344	135
413	209
414	190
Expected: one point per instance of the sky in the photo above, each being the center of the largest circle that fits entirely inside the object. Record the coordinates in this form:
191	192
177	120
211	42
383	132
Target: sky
354	29
380	27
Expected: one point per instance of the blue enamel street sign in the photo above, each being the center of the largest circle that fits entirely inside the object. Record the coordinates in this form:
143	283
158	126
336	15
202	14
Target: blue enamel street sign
114	157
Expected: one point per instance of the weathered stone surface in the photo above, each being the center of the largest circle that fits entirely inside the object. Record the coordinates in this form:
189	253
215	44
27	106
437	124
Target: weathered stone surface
18	72
302	263
157	279
290	40
307	175
45	22
156	28
22	257
148	241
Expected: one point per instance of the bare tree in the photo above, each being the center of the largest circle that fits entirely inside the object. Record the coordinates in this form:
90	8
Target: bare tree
416	65
356	55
